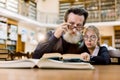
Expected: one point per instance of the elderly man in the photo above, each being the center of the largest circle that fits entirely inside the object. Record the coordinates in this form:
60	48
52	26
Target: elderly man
67	38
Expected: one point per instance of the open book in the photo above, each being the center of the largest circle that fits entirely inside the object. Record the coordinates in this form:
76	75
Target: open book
68	57
44	63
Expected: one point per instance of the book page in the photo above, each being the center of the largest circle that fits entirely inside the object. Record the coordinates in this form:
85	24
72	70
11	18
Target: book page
70	56
64	56
48	55
58	56
25	63
55	64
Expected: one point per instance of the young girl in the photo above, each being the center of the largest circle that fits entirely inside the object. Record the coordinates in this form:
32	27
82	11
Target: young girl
97	53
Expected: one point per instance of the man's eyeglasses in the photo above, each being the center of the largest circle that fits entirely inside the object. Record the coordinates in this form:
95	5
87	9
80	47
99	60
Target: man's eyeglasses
76	26
92	37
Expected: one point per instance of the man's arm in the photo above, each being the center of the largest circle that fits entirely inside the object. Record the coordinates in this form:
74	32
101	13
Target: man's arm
46	46
52	38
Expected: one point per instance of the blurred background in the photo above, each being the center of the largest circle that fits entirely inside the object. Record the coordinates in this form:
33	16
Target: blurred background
23	23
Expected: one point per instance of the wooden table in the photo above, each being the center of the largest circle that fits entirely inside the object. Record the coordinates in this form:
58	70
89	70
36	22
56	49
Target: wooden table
101	72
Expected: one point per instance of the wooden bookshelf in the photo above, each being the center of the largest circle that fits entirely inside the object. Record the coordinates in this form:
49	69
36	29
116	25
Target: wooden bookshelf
32	10
93	9
2	3
2	43
12	5
3	30
106	40
23	7
117	37
62	8
108	10
118	9
12	35
9	38
21	45
99	10
28	8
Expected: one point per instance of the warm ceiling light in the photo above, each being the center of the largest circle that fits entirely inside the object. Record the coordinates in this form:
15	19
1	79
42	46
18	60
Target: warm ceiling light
76	0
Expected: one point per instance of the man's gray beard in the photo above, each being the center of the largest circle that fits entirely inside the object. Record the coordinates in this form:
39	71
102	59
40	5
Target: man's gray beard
72	38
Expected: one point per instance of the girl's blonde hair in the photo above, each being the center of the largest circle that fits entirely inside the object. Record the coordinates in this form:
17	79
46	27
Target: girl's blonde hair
95	29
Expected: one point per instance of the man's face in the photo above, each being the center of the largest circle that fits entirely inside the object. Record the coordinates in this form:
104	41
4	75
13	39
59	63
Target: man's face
74	32
76	22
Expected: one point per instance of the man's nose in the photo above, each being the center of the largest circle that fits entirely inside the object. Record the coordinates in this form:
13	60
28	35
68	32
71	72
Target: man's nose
74	29
75	25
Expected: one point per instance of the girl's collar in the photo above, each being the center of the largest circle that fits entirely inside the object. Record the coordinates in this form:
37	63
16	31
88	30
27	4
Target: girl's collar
96	50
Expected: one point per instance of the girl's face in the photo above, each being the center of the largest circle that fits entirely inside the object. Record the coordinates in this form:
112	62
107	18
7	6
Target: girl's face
90	39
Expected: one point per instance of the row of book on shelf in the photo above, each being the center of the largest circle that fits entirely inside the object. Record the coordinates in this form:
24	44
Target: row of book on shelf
17	6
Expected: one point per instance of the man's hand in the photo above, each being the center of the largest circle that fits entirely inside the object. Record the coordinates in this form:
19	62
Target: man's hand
85	56
61	29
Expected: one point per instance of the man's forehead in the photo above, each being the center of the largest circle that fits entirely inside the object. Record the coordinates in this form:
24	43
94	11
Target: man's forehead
73	14
75	18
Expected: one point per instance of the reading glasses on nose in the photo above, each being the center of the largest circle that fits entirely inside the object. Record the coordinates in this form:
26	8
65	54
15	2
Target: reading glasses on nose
76	26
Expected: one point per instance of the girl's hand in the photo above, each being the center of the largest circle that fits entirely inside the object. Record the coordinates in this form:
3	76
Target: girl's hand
85	56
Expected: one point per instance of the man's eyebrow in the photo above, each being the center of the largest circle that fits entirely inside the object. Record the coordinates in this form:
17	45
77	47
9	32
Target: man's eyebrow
93	35
71	22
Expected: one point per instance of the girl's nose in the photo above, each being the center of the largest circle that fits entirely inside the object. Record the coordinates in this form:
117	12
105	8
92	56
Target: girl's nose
89	39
